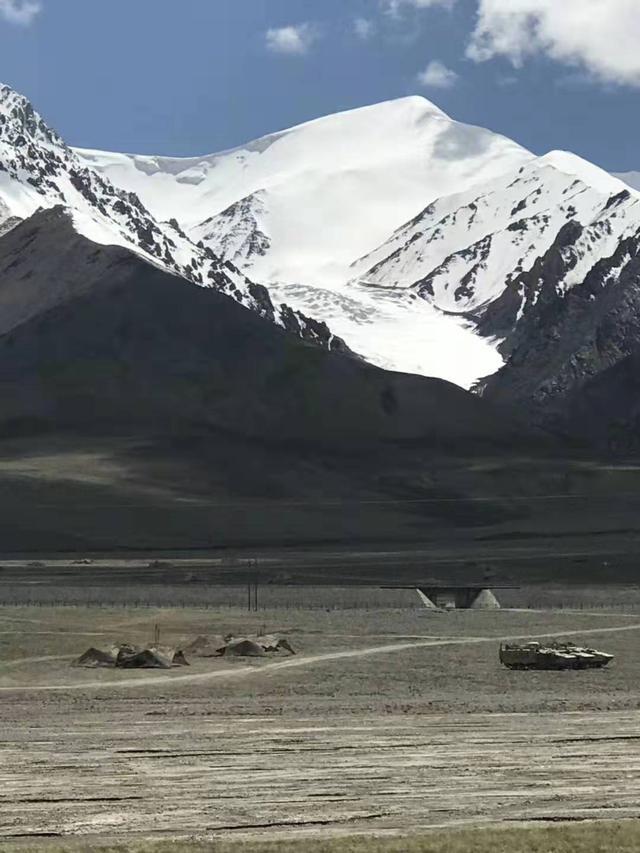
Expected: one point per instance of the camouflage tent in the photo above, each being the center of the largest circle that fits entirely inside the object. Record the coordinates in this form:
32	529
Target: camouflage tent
206	647
246	646
127	656
179	659
160	657
98	657
243	648
271	643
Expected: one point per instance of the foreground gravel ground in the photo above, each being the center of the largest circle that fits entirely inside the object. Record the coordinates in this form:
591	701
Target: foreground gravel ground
589	837
386	722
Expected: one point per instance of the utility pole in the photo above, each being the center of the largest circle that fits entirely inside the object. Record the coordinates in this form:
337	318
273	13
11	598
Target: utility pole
252	587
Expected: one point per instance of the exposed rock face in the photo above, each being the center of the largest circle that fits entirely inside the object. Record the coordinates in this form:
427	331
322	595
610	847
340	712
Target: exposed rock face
513	314
237	233
565	339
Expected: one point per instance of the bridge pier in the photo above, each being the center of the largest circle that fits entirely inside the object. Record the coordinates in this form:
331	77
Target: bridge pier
459	597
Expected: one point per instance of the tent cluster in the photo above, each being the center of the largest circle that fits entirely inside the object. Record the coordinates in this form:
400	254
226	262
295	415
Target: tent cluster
127	656
229	646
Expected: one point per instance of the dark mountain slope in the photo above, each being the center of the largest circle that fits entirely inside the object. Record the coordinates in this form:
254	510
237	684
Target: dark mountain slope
95	335
605	411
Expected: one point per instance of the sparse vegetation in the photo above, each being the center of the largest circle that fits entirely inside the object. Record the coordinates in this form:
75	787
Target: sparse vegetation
603	837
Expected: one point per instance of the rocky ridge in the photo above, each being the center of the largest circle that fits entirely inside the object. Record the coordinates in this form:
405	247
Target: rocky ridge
39	170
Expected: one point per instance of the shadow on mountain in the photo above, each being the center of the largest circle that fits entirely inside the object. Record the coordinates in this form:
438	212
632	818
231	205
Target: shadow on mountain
605	411
94	336
140	412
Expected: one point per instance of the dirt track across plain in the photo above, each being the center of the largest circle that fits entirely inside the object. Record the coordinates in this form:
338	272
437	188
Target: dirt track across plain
290	663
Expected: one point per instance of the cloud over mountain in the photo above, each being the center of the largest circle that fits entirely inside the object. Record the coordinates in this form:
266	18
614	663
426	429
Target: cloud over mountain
437	76
600	37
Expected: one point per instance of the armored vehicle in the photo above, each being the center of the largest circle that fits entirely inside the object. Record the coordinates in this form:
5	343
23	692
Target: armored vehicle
552	656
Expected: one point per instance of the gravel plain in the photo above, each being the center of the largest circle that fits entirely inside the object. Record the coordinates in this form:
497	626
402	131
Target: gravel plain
386	721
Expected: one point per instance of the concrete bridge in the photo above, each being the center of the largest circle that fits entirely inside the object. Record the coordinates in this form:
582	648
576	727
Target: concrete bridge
459	597
456	597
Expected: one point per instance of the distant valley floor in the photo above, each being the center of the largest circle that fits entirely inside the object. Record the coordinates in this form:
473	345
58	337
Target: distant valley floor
212	508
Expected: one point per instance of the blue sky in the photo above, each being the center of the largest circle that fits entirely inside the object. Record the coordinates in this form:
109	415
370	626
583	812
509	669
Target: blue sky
192	76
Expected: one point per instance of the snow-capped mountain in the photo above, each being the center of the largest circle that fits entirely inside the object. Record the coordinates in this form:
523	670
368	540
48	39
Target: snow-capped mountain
323	193
545	262
295	209
430	246
39	170
450	223
462	251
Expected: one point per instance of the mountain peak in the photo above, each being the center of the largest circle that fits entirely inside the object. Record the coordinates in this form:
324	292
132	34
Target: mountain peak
415	102
415	106
411	110
20	122
10	96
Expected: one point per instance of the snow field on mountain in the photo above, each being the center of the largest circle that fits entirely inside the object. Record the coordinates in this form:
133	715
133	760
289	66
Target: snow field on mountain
333	188
397	332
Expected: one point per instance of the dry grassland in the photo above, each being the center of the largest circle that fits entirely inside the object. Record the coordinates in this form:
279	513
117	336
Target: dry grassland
605	837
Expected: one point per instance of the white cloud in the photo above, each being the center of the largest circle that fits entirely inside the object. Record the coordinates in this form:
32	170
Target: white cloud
437	76
364	28
394	7
292	40
19	11
599	36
